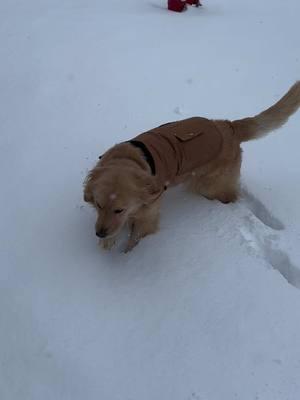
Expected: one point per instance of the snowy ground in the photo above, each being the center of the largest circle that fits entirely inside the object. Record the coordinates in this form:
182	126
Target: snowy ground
207	309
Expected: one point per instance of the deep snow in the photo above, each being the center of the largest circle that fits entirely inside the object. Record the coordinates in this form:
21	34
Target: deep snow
208	308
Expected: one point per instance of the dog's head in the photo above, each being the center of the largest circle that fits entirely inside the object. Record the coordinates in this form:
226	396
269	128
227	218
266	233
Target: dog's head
118	193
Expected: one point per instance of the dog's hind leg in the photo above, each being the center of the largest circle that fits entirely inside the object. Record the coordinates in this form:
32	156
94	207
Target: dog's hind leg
222	185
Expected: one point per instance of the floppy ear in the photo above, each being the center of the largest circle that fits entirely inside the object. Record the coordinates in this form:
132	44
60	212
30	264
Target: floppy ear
148	187
89	184
152	187
87	192
90	181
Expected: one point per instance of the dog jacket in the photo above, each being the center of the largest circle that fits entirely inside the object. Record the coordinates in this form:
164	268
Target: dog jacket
178	148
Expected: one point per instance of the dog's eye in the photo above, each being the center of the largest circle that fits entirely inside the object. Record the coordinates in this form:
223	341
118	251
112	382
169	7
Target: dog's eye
118	210
98	205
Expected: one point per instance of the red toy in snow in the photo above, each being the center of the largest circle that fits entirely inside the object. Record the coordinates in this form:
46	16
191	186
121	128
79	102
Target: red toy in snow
177	5
180	5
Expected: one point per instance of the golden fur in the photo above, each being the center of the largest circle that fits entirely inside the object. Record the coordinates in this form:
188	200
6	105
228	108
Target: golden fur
123	191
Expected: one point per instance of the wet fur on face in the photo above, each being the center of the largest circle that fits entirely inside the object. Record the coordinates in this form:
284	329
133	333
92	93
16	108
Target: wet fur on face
122	193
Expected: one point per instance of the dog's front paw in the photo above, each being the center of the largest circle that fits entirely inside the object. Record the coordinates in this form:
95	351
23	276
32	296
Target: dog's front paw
131	244
107	244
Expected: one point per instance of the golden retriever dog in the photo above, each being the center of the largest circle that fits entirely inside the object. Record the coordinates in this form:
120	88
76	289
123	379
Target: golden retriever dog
126	185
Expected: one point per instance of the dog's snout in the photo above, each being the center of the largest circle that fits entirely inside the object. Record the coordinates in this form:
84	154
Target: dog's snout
102	233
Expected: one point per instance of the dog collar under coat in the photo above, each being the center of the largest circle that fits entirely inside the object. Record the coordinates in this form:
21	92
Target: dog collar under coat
148	157
146	153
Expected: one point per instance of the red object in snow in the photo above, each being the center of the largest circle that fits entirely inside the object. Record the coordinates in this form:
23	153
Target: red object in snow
194	3
177	5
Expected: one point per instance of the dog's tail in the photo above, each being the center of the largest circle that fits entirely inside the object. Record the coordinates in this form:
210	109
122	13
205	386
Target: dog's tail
270	119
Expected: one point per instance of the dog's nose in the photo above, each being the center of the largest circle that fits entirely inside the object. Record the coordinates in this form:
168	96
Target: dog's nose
101	233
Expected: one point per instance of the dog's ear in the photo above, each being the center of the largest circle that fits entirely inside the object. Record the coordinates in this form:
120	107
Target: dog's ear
153	187
148	187
89	184
87	192
91	181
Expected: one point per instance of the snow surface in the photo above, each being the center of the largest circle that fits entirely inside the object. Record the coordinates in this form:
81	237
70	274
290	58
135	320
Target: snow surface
208	308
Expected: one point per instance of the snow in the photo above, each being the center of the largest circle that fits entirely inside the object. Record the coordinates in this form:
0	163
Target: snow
208	308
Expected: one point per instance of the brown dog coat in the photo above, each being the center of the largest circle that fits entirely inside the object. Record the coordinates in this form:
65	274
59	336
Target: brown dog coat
177	148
